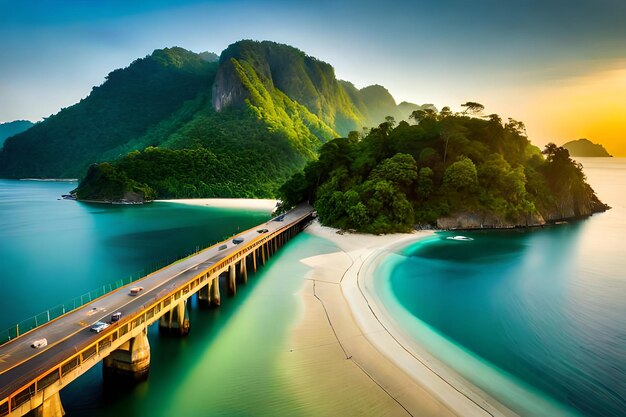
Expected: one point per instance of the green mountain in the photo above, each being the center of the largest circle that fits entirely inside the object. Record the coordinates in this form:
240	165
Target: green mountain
446	169
180	124
584	147
13	128
130	103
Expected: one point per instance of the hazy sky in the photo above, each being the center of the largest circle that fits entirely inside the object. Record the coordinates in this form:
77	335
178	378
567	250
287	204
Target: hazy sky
559	66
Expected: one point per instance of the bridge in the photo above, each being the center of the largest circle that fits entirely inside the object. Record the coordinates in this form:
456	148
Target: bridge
31	378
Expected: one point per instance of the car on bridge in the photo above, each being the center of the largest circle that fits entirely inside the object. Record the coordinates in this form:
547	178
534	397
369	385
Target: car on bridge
237	240
116	317
99	326
37	344
135	290
262	231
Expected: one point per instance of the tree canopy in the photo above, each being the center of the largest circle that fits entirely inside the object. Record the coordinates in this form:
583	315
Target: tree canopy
443	164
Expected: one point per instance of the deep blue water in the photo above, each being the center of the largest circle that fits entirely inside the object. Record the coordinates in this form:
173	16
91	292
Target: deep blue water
542	310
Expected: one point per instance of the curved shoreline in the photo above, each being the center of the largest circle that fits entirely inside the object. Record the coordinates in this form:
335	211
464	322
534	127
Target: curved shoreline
401	359
444	382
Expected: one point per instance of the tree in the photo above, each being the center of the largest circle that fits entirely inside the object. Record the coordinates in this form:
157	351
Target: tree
461	175
445	112
400	170
472	107
425	183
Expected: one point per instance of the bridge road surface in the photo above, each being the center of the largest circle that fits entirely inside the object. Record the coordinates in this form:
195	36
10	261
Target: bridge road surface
20	363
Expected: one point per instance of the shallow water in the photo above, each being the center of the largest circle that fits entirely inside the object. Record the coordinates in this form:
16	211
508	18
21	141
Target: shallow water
535	318
233	361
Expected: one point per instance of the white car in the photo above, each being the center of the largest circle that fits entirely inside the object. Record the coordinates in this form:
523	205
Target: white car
99	326
135	290
37	344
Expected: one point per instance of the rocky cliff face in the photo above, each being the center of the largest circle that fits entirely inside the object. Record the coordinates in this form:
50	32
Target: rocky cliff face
567	209
477	220
282	69
228	89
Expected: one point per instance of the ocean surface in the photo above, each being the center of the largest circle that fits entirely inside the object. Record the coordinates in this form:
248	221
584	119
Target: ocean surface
537	318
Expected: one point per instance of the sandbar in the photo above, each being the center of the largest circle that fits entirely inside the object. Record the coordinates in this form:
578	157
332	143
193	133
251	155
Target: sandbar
234	203
350	343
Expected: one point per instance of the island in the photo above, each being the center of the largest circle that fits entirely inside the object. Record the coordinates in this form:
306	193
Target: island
445	170
586	148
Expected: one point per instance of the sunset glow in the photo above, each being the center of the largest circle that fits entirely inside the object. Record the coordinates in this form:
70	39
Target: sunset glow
590	106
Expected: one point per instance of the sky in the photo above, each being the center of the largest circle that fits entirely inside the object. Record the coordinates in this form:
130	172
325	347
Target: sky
559	66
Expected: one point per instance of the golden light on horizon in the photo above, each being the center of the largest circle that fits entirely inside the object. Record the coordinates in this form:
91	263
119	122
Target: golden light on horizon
591	106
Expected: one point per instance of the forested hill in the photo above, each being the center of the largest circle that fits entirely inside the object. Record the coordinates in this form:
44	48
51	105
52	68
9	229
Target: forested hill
258	114
13	128
452	170
126	106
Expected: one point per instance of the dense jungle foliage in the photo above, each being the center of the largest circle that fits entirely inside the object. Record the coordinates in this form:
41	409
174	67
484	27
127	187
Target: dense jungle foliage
441	164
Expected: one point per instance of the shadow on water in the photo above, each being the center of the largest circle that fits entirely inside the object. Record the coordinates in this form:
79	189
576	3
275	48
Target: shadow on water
90	396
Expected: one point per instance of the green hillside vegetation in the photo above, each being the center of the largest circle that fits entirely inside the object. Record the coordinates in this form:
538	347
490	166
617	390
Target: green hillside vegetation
254	116
125	107
441	166
586	148
233	155
13	128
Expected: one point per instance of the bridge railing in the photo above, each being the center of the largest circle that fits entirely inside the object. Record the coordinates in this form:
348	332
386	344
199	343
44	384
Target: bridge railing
57	311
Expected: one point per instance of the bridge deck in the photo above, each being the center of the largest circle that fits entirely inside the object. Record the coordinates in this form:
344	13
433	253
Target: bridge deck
20	363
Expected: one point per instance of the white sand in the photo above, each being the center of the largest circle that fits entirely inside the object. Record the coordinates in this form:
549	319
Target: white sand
234	203
351	344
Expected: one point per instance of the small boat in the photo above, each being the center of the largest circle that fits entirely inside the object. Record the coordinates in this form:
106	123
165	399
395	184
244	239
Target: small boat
461	238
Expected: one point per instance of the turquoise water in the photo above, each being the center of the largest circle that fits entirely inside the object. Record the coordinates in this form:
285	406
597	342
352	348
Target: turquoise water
229	365
53	250
535	318
232	362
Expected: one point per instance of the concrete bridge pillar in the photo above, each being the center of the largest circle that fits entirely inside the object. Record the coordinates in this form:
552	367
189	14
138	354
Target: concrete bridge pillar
51	407
204	295
263	254
176	321
243	269
254	255
232	281
215	290
131	360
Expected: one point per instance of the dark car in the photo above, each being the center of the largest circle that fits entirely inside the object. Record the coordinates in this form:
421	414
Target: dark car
237	240
262	231
116	317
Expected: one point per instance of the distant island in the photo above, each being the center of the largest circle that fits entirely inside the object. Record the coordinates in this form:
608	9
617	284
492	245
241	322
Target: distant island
586	148
9	129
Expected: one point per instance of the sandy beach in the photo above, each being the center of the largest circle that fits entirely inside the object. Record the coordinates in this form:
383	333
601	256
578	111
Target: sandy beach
346	339
232	203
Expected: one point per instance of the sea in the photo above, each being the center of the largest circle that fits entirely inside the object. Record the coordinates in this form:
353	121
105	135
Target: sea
54	250
535	318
